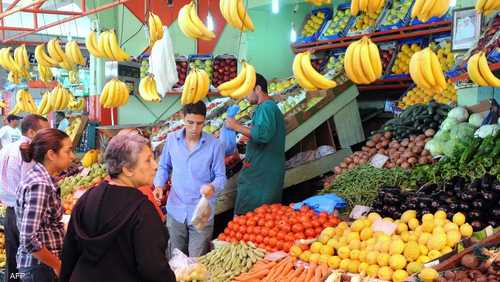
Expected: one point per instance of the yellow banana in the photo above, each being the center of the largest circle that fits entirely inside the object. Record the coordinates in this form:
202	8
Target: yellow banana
363	5
348	67
185	23
440	8
486	73
155	28
437	72
234	17
416	71
116	50
44	73
366	66
92	45
354	7
124	92
42	57
247	86
417	8
357	64
426	67
375	60
373	6
244	16
473	70
318	80
113	98
73	53
425	13
103	44
189	88
43	104
21	56
104	94
480	5
235	82
298	72
55	50
195	20
203	85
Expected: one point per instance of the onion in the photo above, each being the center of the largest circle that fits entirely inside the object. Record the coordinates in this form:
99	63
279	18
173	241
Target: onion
402	149
411	145
379	146
385	143
420	143
405	165
338	170
365	149
416	150
399	161
376	137
363	161
425	153
412	137
422	160
412	160
388	135
397	145
351	166
348	160
420	138
373	151
343	165
370	144
397	155
405	142
355	160
382	152
429	132
406	155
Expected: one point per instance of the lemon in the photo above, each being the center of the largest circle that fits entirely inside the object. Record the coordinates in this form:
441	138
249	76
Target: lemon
428	226
371	257
453	237
399	275
396	247
413	223
362	255
419	230
395	237
388	219
423	259
326	250
343	241
334	243
334	262
385	273
427	217
363	267
372	270
397	262
459	218
407	215
405	235
385	246
342	226
316	247
295	251
366	233
423	250
353	266
401	228
438	229
383	259
343	252
323	238
434	254
329	231
344	264
354	254
323	259
354	244
384	238
413	267
466	230
352	236
413	237
446	250
411	251
440	214
428	275
373	216
450	226
314	258
437	241
305	256
357	225
424	238
439	222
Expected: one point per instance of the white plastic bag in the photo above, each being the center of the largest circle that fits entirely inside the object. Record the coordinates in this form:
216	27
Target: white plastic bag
201	214
162	64
187	269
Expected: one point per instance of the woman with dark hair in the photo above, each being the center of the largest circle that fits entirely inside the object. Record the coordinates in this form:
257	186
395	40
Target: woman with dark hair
115	233
38	207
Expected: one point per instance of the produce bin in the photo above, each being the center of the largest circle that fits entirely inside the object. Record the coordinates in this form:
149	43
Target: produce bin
225	68
384	24
327	12
182	65
204	62
446	17
345	9
353	31
421	42
494	55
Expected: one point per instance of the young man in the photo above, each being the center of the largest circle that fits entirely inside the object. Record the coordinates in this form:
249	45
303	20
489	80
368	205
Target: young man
9	133
12	170
261	180
195	162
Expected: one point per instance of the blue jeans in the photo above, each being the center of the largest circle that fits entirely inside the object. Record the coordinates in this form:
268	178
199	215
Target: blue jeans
37	273
187	238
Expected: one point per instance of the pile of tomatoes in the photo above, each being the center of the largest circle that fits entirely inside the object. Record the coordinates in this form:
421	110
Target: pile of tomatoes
276	227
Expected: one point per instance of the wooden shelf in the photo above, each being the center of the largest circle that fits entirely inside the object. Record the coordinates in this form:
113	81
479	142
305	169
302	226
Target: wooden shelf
387	84
465	76
380	36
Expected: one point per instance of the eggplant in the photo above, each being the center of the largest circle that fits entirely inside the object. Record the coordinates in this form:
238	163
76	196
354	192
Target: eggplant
488	196
435	205
474	214
486	181
453	207
476	225
463	207
450	214
458	182
478	204
495	186
467	196
397	214
472	189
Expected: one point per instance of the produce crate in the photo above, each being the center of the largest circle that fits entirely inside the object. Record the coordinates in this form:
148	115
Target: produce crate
494	55
353	31
204	62
327	15
182	65
225	68
421	42
399	22
335	64
445	17
438	44
388	56
342	17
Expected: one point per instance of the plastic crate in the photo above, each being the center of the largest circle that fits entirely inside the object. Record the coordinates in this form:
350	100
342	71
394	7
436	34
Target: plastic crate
371	28
388	48
419	41
205	63
182	70
399	24
494	55
342	7
315	36
445	17
225	75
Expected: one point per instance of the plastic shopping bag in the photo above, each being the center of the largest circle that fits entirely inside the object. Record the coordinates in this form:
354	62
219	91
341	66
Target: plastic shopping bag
187	269
201	214
228	136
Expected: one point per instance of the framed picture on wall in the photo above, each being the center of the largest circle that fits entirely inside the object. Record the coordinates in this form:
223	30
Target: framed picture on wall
466	29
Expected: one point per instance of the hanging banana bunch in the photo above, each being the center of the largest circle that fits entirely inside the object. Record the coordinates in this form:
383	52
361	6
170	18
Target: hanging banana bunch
59	98
487	6
7	61
76	105
73	77
114	94
240	86
147	89
362	62
73	52
307	77
45	106
106	47
155	27
45	73
196	87
319	2
42	58
426	72
24	103
426	9
22	60
480	72
57	53
13	77
235	14
366	6
191	25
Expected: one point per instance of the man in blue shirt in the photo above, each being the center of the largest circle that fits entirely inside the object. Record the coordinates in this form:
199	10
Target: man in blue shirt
195	162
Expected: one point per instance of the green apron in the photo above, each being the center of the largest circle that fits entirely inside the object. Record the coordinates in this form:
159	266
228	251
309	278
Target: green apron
261	179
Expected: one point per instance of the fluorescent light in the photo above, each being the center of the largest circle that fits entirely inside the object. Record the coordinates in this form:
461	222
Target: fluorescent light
275	6
453	3
293	34
210	22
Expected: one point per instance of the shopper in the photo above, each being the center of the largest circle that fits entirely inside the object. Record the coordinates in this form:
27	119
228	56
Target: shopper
114	233
61	121
195	162
261	180
9	133
12	170
38	207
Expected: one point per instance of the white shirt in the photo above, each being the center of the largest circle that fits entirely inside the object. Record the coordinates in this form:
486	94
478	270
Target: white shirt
12	170
9	135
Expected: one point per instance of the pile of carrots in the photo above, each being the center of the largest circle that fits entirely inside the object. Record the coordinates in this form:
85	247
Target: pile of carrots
284	270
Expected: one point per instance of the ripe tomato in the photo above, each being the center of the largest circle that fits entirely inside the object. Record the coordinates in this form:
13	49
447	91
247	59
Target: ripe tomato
289	237
258	238
251	222
272	242
264	231
246	237
304	247
304	208
323	214
239	236
242	229
315	223
297	227
232	234
318	230
269	217
250	229
269	224
299	235
251	237
334	221
286	246
307	225
305	218
322	220
310	233
256	230
222	237
250	214
262	222
285	227
265	240
281	235
279	245
231	225
233	240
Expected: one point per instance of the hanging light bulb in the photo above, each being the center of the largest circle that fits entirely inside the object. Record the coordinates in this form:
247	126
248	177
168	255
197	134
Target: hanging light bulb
210	22
275	6
293	34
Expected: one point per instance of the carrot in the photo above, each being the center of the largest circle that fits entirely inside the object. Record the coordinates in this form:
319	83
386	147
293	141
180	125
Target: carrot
317	274
296	274
310	272
302	276
256	275
324	270
275	269
286	266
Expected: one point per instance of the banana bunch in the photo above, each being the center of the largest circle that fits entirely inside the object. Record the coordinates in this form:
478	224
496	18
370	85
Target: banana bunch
191	25
426	71
73	52
57	53
13	77
196	87
319	2
487	6
91	157
42	58
362	62
7	61
114	94
76	105
24	103
155	28
367	6
236	15
480	72
45	73
59	98
240	86
73	77
22	60
72	129
106	47
147	89
307	77
45	107
426	9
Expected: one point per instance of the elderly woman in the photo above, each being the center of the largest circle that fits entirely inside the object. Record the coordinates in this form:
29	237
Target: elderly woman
115	233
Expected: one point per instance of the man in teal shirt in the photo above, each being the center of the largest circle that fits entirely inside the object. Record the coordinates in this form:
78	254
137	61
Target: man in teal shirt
261	179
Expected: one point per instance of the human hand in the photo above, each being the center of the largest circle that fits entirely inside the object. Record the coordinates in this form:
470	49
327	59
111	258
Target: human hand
231	123
207	190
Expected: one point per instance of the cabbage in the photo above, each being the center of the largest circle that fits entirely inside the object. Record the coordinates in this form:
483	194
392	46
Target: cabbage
449	147
448	123
476	119
442	135
462	131
435	147
459	114
487	130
